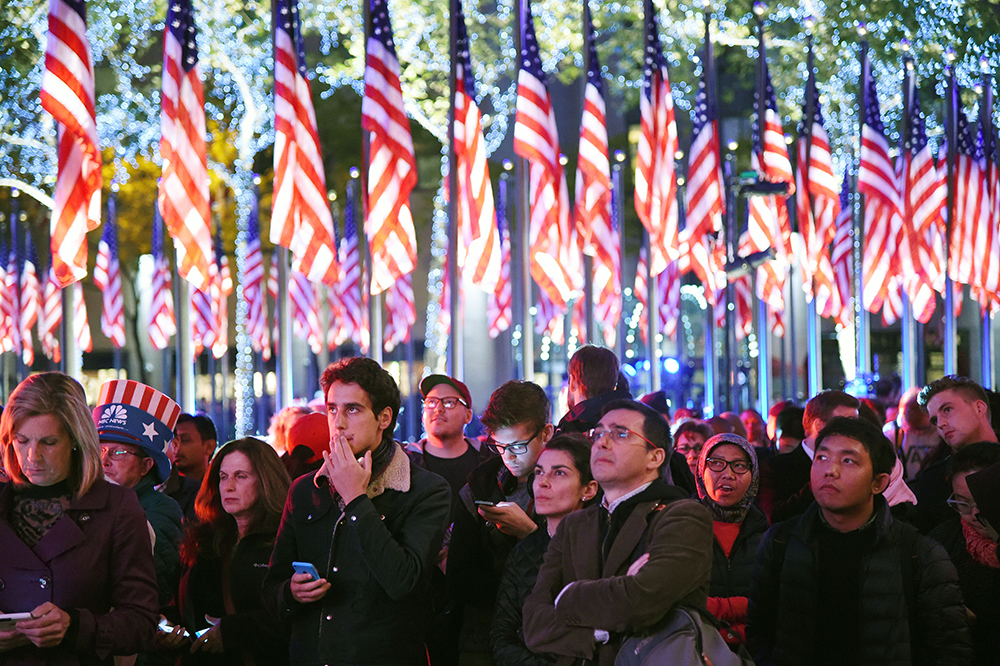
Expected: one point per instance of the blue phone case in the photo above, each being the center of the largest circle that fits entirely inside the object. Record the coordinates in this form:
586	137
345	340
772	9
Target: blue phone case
307	568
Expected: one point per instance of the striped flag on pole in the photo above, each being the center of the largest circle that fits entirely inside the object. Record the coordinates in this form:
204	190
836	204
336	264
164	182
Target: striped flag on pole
401	313
842	256
221	291
12	282
335	334
183	192
253	285
272	293
479	249
877	181
304	316
108	278
536	139
8	310
655	175
499	303
392	167
68	94
81	325
989	295
162	324
51	317
204	318
31	300
352	291
705	192
300	214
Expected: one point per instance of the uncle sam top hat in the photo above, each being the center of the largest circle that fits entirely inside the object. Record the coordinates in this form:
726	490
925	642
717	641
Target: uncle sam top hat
128	412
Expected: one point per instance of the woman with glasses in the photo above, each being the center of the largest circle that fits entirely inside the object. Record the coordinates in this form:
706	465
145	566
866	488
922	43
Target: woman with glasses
972	551
727	484
562	483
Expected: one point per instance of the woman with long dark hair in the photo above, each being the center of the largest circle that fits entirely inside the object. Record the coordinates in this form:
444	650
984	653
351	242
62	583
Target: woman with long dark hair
225	554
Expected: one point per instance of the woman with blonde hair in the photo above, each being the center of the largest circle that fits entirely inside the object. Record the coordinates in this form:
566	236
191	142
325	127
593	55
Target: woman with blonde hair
60	518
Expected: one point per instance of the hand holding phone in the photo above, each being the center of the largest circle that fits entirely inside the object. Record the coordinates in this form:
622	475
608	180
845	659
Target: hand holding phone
485	503
306	568
8	621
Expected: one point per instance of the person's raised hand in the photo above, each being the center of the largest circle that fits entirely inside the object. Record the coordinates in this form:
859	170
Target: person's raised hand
306	589
509	519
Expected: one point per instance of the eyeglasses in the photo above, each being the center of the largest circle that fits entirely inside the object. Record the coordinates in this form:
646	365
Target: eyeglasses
720	464
430	404
116	454
514	448
961	506
618	435
685	449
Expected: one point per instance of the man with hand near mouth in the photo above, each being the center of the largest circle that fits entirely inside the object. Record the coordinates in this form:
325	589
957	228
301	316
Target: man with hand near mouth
370	522
845	583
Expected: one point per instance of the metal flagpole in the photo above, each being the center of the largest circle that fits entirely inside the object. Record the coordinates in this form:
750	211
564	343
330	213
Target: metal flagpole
456	352
862	340
376	343
951	129
185	357
763	333
524	236
283	353
710	361
588	259
653	296
907	322
986	124
617	215
814	325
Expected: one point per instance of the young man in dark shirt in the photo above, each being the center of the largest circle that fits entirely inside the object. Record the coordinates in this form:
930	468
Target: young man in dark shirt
845	583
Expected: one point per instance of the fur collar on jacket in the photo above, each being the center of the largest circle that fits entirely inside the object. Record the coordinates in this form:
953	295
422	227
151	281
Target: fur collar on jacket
396	475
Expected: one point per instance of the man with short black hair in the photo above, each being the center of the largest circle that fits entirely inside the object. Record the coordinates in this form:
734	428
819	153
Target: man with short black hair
496	509
190	451
845	584
618	568
960	410
784	479
370	522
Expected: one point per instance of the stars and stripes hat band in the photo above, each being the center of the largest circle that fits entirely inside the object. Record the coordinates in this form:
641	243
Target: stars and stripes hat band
129	412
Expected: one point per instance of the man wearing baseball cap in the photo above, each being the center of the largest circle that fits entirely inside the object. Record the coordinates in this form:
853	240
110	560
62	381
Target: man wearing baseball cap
134	423
446	451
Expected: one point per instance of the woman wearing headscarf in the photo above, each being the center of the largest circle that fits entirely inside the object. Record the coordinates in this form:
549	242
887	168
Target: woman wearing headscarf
75	550
727	479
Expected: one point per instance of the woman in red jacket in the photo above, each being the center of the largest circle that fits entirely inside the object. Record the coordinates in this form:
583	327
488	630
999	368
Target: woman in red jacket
76	549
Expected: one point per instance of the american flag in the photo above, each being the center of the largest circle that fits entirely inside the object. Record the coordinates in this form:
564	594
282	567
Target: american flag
108	278
705	192
608	278
842	256
253	282
7	306
655	175
499	309
877	181
922	207
272	292
479	250
162	324
81	325
204	317
221	291
335	334
668	289
989	296
300	216
769	226
401	313
31	300
68	94
12	283
536	139
51	317
550	320
444	298
304	315
818	201
392	167
183	193
355	320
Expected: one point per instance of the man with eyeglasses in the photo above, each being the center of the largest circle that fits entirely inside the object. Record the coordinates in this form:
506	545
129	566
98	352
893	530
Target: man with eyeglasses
618	568
496	509
135	423
845	583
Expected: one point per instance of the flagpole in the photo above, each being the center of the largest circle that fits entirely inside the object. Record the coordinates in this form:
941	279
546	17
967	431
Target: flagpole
986	123
618	214
862	338
764	335
653	298
908	323
524	235
246	196
814	324
376	344
283	352
710	361
951	129
588	260
185	359
456	351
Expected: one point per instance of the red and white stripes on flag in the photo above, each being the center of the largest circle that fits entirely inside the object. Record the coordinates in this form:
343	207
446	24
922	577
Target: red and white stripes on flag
352	293
108	279
499	303
401	313
989	294
305	317
31	302
81	325
51	317
8	309
842	257
204	317
479	249
392	167
183	194
12	301
668	288
221	291
536	139
300	213
272	293
253	284
162	324
68	94
655	174
877	181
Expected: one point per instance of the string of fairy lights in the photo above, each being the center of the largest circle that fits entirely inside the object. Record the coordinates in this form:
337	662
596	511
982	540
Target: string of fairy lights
234	43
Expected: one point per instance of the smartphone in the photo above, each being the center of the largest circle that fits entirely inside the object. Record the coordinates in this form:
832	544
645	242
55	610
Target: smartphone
306	568
8	620
485	503
169	628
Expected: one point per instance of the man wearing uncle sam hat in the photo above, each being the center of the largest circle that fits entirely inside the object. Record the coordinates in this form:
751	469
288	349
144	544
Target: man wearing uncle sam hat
135	423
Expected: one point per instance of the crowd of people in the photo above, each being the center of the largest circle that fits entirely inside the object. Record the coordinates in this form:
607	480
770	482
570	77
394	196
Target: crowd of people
826	533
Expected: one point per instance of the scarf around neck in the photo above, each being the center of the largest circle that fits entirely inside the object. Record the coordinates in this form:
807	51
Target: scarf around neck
737	512
982	549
